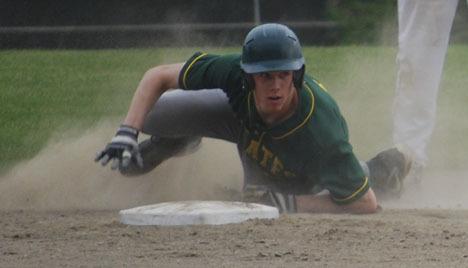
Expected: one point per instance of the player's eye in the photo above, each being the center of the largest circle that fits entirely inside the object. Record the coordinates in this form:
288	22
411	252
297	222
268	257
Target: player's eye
265	75
284	74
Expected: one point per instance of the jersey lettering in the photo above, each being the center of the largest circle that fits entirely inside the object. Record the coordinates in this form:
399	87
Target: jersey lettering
252	149
277	166
267	159
267	155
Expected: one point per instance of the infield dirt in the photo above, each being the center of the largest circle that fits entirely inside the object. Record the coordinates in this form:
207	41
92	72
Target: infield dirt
391	238
58	210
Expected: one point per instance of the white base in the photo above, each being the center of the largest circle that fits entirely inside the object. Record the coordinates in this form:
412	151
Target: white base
196	212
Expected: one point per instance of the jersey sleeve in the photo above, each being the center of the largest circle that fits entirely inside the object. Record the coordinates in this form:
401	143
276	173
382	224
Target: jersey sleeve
342	175
339	170
207	71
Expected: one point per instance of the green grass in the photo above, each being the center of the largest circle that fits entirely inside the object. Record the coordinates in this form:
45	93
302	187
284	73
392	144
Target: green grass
46	92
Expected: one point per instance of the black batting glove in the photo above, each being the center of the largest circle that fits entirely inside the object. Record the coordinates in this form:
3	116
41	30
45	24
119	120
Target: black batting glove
122	150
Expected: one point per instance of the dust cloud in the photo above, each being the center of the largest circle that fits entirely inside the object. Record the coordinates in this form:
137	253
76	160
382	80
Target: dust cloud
437	189
64	176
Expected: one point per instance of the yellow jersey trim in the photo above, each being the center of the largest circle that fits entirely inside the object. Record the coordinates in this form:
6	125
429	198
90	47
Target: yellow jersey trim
312	106
189	67
364	185
320	85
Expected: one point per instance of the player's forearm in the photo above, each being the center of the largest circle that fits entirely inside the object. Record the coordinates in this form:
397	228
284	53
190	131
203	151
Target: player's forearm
153	84
324	204
148	92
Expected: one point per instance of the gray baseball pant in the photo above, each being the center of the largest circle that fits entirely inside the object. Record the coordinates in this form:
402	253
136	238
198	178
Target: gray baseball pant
180	116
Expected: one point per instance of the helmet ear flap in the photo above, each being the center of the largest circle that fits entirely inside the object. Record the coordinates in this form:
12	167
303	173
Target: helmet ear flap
247	81
298	77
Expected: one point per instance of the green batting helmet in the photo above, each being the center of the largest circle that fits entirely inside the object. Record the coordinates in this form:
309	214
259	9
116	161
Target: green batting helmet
273	47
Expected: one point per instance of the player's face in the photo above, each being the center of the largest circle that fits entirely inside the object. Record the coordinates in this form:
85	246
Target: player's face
275	95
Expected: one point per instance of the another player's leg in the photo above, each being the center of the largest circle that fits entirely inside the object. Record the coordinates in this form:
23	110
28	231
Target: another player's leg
424	31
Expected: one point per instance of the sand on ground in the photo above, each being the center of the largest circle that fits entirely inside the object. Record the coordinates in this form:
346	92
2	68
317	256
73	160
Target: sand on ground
58	210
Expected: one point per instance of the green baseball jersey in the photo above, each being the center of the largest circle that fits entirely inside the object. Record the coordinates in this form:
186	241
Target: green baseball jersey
308	151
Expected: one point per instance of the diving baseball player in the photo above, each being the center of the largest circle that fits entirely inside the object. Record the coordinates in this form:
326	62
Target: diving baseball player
290	134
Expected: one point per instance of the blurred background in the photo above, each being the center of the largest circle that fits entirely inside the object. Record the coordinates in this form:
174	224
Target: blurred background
69	69
146	23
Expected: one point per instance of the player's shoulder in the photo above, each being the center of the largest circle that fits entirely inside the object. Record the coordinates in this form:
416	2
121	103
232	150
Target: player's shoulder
322	97
315	85
326	125
207	58
205	70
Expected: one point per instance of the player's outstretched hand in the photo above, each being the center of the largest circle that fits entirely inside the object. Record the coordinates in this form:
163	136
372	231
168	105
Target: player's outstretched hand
122	150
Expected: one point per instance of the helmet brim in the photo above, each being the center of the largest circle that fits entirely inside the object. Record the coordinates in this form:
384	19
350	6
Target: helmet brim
272	66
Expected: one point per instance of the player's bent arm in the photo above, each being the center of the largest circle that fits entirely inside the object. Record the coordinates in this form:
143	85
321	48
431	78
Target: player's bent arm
324	204
154	83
